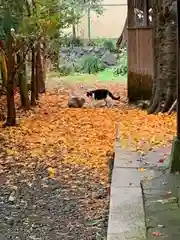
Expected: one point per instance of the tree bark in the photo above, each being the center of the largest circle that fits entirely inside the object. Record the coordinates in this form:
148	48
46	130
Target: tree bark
4	70
33	79
40	82
122	40
165	57
74	31
11	112
170	66
24	95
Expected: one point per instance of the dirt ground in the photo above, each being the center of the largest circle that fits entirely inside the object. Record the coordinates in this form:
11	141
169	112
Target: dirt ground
74	203
53	166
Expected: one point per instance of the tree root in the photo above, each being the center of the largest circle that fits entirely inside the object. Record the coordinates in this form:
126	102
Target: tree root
9	124
155	103
172	107
168	102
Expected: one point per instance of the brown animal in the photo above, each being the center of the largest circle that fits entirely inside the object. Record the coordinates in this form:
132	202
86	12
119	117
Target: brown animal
76	102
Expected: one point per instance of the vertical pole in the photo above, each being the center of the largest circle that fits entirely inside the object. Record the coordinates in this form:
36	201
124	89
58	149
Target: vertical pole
146	13
130	13
89	23
178	70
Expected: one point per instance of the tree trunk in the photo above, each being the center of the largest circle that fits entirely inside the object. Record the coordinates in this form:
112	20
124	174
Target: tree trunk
33	79
11	112
40	82
164	79
74	31
24	95
158	51
170	66
4	70
122	40
44	61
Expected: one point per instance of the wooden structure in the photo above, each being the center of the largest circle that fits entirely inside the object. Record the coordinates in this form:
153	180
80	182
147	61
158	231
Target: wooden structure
140	51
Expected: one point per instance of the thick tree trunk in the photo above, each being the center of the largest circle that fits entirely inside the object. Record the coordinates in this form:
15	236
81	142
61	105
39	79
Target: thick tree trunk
170	66
158	78
33	79
11	112
164	79
24	95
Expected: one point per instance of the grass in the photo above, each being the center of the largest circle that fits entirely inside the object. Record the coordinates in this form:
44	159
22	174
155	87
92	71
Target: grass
103	76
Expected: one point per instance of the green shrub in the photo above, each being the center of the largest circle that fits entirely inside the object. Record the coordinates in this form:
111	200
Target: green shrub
91	64
122	69
88	64
66	69
71	42
91	43
109	44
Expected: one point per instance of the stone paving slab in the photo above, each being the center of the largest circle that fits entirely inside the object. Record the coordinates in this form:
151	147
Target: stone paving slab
148	174
161	195
125	177
166	222
151	159
124	160
154	205
125	198
167	181
126	214
123	237
119	236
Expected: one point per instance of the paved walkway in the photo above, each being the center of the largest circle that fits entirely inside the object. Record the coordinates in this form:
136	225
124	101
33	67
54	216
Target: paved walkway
144	197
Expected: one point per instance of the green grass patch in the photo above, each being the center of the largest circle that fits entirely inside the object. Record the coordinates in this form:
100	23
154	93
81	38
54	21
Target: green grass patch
106	75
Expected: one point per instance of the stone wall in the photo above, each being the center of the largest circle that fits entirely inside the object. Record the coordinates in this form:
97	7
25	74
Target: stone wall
74	54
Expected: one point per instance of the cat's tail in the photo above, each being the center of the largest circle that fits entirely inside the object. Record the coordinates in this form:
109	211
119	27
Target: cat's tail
112	96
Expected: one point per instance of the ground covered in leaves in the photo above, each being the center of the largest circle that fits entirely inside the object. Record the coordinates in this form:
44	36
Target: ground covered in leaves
53	166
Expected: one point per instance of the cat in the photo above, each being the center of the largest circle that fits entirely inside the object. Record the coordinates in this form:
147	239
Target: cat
76	102
101	94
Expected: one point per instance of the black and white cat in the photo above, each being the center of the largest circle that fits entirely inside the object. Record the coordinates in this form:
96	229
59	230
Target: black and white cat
101	94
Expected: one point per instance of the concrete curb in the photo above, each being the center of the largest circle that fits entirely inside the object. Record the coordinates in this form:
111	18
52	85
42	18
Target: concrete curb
126	213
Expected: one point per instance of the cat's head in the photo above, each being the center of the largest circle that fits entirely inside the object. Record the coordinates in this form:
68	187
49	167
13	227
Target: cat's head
89	94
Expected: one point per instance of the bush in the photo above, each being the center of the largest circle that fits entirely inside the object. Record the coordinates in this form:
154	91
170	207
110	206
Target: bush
88	64
71	42
66	69
109	44
91	64
122	69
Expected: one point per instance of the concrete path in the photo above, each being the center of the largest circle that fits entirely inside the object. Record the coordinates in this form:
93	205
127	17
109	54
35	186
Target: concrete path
161	197
144	201
126	216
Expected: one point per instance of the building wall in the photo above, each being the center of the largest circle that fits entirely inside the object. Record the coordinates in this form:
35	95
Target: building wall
108	25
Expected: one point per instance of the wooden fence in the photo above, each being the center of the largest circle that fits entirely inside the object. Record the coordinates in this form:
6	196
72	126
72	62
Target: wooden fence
140	63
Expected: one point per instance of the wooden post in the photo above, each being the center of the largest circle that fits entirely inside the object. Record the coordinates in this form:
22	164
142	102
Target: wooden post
146	12
130	13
